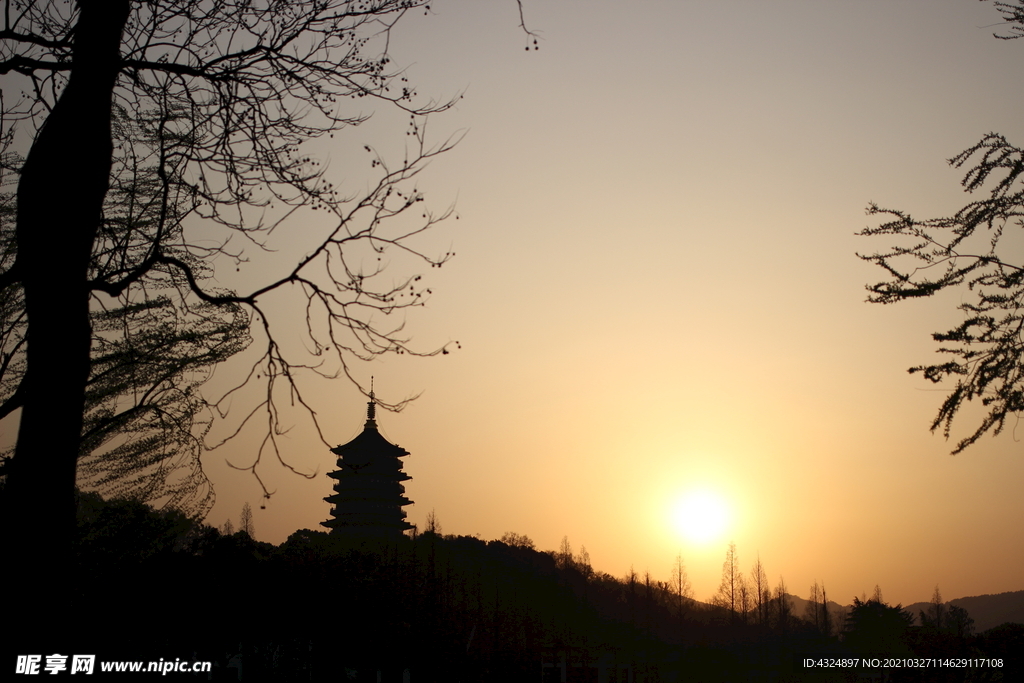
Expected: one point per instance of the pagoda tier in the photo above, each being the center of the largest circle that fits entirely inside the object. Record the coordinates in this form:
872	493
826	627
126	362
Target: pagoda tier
368	494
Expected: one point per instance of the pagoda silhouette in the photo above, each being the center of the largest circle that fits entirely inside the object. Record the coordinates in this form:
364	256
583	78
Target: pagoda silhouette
368	493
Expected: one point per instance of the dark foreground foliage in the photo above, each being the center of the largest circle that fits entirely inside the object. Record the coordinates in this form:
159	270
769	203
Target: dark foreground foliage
437	608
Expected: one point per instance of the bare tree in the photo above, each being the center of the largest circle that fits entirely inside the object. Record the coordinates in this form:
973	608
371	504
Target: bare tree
517	540
631	581
827	622
433	523
649	603
816	611
746	599
728	595
564	555
811	611
974	251
680	583
762	591
582	563
936	614
245	523
231	93
782	607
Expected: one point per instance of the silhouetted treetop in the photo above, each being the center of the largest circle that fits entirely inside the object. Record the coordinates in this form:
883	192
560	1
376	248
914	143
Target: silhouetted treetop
874	626
973	251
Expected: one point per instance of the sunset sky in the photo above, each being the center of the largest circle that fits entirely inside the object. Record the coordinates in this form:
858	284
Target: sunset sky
657	293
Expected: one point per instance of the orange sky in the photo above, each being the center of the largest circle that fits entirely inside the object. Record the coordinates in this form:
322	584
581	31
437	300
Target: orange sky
656	290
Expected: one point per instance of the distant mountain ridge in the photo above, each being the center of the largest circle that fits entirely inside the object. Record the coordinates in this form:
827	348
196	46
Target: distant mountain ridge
987	611
799	606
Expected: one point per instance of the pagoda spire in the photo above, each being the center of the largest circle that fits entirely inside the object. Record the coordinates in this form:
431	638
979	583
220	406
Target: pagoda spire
371	408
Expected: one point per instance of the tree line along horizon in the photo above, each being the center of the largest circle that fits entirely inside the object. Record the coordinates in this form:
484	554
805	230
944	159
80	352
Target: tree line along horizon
746	596
176	133
445	606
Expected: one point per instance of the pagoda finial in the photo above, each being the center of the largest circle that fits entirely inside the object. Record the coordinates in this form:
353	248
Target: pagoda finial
371	408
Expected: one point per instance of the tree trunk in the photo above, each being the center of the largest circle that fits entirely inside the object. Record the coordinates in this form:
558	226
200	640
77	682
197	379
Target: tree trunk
60	198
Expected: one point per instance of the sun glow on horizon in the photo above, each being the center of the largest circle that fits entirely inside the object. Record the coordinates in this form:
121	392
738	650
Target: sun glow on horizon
701	516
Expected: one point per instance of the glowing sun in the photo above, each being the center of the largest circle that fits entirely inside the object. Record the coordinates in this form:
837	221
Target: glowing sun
701	516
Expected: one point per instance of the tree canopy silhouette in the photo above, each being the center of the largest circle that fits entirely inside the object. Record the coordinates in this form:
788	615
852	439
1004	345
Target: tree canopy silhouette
151	349
144	413
165	137
873	626
976	252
